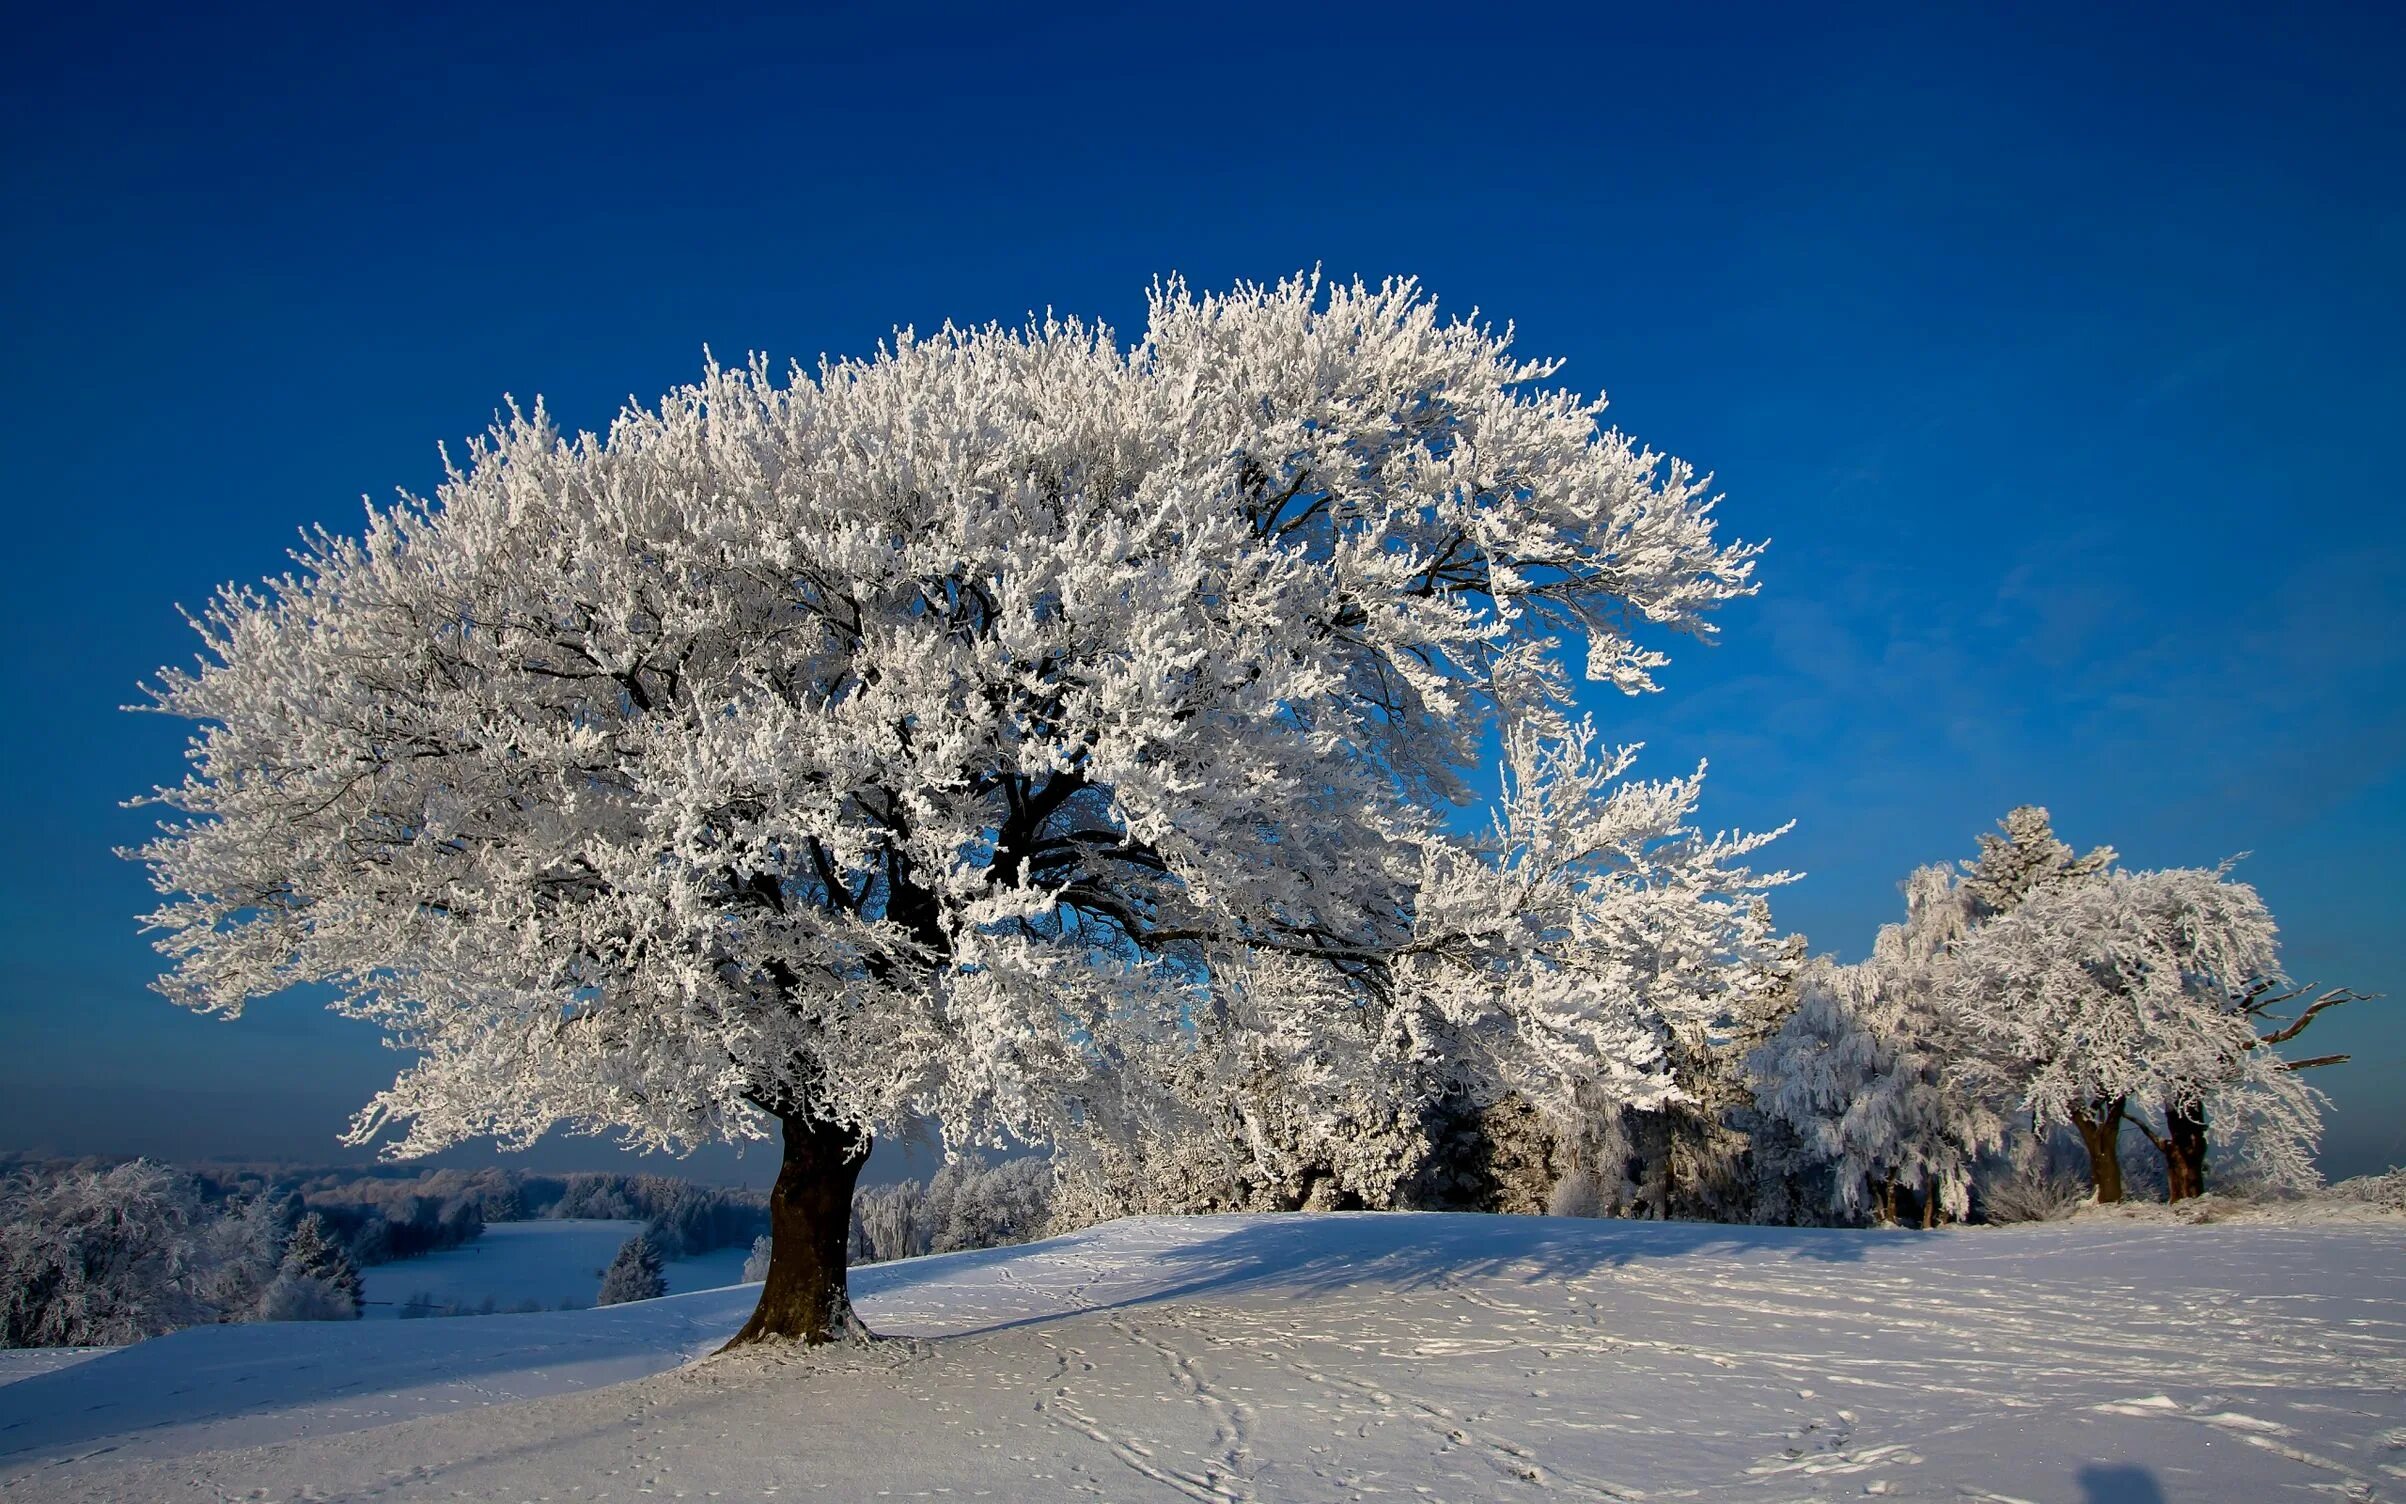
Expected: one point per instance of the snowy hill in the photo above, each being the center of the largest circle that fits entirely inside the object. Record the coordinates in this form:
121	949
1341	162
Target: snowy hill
1336	1357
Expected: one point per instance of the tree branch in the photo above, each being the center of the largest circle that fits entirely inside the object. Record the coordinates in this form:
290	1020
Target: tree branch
2297	1026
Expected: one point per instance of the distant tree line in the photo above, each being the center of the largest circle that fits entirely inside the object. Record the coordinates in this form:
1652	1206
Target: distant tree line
110	1255
680	1217
101	1252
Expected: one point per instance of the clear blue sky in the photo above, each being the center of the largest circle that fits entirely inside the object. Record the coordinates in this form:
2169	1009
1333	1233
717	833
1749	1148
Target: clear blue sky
2058	356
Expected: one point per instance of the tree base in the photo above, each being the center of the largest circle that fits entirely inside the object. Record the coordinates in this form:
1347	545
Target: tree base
849	1331
805	1298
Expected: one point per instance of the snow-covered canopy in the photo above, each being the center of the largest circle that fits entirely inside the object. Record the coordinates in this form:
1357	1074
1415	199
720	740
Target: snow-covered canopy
917	735
2136	985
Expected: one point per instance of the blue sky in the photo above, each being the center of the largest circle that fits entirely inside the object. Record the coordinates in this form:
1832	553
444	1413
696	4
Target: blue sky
2059	357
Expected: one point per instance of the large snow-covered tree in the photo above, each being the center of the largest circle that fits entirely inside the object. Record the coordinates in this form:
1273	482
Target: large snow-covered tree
929	734
2136	993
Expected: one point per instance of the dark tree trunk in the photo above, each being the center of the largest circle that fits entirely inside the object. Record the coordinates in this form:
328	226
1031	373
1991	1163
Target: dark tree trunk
2101	1133
2184	1146
810	1224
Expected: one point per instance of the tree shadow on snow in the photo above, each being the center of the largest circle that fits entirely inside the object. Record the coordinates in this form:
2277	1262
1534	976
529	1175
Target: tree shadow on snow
1317	1254
169	1392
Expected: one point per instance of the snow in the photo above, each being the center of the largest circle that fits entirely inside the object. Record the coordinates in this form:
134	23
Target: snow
1337	1357
25	1362
707	1271
547	1262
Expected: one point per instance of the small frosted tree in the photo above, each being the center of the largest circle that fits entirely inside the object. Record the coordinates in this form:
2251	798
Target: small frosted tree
1879	1066
1553	961
2149	993
636	1273
242	1248
315	1281
1874	1073
931	735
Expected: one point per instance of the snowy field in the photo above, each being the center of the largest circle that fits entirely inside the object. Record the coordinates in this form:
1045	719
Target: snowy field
549	1263
1380	1356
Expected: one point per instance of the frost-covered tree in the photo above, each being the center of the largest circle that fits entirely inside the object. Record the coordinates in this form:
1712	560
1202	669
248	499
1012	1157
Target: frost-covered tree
1878	1066
1693	1156
1697	1154
967	1203
635	1273
315	1281
1726	1159
971	1204
1875	1074
2135	994
102	1257
241	1250
1552	963
931	734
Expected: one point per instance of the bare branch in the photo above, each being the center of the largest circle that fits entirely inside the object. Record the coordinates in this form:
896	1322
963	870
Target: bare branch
2331	999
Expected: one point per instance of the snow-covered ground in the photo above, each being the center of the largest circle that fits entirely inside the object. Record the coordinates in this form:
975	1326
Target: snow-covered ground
1336	1357
26	1362
549	1263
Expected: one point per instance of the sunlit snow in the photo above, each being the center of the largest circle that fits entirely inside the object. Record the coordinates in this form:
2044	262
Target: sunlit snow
1336	1357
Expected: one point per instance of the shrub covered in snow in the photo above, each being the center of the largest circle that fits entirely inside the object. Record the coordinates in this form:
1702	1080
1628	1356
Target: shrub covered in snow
102	1258
2385	1191
2049	1196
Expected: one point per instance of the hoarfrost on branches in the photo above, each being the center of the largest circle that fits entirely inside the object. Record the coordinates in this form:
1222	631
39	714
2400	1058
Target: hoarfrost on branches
102	1258
1872	1072
2137	988
935	734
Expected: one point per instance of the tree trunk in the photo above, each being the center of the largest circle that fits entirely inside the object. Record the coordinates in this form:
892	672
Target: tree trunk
2101	1133
2184	1145
810	1224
